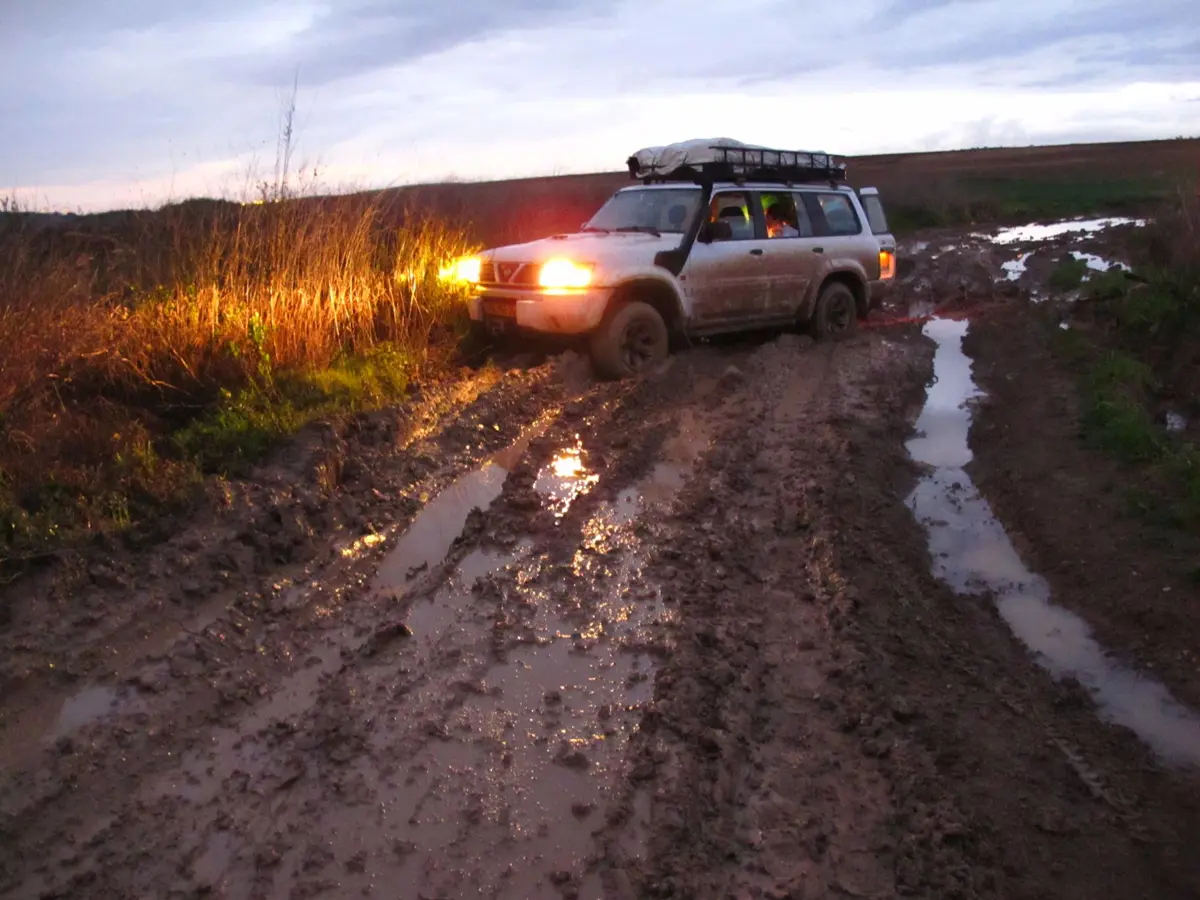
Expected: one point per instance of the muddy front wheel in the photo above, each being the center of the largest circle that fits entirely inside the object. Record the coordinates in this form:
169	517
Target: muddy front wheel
837	313
631	338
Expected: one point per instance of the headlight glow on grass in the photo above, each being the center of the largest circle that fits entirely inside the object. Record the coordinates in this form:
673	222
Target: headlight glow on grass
465	270
560	274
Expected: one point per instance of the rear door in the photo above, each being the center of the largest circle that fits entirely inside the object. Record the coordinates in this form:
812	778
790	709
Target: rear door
877	220
725	281
842	234
792	257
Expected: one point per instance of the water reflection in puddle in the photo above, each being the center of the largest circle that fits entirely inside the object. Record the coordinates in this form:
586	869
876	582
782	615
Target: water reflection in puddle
1098	263
565	478
91	705
1015	268
433	532
530	752
973	554
431	618
1034	232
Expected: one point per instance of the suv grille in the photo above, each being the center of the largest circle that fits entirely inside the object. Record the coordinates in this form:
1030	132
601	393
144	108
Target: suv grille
508	274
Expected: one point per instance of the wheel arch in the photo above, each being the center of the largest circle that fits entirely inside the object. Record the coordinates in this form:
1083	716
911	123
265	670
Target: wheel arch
657	293
858	287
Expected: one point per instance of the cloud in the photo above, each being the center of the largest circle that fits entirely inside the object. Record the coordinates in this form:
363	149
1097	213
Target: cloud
143	94
351	39
1115	42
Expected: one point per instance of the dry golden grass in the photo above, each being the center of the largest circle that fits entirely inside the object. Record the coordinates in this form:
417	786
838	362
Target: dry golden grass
124	347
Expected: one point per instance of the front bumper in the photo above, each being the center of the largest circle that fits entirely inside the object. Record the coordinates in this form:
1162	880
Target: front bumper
566	312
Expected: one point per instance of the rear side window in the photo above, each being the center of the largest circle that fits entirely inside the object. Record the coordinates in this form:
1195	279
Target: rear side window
839	213
873	207
785	215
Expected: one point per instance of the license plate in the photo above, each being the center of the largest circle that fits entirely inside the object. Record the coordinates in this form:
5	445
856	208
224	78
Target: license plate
501	307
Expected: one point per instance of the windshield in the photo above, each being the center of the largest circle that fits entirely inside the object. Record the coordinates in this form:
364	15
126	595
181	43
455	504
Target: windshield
653	210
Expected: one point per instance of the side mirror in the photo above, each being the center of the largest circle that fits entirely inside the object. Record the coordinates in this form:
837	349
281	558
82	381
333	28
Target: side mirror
720	230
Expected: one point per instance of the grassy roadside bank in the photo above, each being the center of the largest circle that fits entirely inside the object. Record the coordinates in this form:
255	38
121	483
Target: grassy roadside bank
956	202
138	358
1138	355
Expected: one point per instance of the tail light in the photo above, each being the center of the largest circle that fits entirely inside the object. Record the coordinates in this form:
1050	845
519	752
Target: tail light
887	264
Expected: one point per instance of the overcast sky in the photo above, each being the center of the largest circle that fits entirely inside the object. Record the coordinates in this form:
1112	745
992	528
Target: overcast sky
110	103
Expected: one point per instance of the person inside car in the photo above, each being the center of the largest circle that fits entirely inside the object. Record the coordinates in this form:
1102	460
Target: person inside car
778	224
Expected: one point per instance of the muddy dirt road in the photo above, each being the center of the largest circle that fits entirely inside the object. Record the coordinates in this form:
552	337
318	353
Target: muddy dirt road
735	630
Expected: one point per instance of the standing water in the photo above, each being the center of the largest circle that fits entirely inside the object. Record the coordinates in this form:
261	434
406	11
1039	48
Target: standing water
973	554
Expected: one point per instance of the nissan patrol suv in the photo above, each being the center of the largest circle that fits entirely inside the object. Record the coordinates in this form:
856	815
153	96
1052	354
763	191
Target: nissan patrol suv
718	236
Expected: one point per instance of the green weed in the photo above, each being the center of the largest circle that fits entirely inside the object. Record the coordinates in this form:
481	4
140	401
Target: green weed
1116	416
246	426
1062	198
951	202
1068	275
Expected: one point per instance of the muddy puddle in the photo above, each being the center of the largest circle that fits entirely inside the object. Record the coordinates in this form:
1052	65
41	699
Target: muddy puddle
565	478
1034	233
549	716
94	704
1099	263
973	554
428	539
481	748
1014	268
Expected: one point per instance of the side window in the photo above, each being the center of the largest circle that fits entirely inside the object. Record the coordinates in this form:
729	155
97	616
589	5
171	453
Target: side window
734	207
873	207
839	214
786	216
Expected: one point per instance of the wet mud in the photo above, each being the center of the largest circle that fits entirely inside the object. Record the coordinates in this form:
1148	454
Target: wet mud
973	554
741	628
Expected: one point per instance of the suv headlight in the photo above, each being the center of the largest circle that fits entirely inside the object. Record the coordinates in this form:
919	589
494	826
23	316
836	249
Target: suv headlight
465	270
558	274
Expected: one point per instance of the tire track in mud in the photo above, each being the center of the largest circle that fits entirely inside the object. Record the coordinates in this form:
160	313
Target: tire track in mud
758	789
203	674
690	646
988	798
219	818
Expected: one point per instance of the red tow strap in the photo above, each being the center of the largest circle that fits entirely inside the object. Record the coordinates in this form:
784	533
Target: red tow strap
890	321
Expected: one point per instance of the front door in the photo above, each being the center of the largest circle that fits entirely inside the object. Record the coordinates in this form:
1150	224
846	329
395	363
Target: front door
725	281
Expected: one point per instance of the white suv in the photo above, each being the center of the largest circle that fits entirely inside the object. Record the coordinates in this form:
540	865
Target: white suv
719	236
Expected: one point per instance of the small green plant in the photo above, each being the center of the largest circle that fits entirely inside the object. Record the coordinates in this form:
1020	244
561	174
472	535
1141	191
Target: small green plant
1116	417
1068	274
1105	287
235	435
256	333
246	425
1168	307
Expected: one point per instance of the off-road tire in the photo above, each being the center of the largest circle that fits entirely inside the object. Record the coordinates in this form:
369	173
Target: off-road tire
836	315
631	338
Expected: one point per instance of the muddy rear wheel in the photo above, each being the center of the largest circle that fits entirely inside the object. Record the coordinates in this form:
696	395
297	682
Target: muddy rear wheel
836	314
631	338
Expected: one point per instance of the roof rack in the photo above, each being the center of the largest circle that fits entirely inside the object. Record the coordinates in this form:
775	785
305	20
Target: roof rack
726	160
